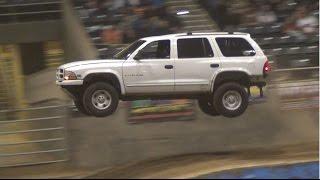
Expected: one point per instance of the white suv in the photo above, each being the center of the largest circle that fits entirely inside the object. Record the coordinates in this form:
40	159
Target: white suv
215	68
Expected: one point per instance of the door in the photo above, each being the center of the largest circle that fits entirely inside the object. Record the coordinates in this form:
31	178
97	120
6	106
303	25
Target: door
151	70
195	64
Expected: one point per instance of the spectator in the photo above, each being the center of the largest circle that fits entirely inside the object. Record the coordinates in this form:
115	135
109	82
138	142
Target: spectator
127	28
158	26
128	20
134	3
300	25
118	4
157	3
145	3
308	24
112	35
249	18
265	15
299	17
98	9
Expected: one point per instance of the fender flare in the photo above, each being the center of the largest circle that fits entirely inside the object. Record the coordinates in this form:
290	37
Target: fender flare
227	72
107	71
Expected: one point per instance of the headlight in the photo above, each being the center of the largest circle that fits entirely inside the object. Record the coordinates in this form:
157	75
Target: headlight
69	75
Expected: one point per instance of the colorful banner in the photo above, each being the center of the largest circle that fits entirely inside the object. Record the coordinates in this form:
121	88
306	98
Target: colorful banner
160	110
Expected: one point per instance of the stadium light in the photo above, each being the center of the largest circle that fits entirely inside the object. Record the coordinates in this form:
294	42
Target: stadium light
183	12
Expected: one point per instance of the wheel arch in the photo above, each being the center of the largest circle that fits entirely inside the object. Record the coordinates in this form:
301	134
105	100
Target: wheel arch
109	77
240	76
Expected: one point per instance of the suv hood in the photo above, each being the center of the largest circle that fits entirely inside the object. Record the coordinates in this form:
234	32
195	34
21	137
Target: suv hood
86	62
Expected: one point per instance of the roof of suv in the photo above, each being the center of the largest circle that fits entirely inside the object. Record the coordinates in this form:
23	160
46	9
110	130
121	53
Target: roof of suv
169	36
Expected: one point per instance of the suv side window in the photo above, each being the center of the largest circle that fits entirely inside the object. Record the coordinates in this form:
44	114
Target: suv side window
234	47
156	50
194	48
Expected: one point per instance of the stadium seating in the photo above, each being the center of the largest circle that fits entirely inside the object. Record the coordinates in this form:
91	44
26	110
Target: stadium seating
282	49
286	50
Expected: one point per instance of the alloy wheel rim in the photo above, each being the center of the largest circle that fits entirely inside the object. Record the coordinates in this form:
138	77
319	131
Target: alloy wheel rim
101	99
231	100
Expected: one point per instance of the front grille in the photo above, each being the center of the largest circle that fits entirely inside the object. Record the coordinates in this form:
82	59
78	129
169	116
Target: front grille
59	74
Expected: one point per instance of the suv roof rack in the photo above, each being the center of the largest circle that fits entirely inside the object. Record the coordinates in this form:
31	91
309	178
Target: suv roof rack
211	33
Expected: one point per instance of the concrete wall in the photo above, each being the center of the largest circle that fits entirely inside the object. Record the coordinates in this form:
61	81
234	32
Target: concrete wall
41	86
77	44
16	33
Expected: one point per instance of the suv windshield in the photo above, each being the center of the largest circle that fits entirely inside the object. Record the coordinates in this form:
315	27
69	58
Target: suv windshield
126	52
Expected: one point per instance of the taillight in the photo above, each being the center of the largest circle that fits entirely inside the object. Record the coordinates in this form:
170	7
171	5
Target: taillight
266	67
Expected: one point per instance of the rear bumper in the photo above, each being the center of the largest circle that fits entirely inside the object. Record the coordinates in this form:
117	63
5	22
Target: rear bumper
258	81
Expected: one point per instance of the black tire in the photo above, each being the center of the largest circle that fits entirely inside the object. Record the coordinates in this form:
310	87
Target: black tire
79	105
112	96
225	89
206	106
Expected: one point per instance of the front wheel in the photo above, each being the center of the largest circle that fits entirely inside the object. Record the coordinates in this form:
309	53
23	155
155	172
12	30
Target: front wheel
206	106
79	105
101	99
230	99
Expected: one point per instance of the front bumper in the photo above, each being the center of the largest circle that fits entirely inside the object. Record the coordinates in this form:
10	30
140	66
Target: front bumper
69	82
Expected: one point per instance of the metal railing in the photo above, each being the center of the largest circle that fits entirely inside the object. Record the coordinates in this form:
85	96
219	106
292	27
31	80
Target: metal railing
296	69
33	136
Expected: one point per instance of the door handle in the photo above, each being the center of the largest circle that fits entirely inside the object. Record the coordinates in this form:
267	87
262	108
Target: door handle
168	66
214	65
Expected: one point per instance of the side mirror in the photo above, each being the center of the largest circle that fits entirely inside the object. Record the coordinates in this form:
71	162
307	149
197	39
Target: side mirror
249	53
137	56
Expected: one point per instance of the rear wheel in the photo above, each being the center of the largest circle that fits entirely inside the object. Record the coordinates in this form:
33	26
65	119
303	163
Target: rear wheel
206	106
101	99
230	99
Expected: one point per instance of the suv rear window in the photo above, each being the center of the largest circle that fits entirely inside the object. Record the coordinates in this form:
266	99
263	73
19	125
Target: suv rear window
233	47
194	48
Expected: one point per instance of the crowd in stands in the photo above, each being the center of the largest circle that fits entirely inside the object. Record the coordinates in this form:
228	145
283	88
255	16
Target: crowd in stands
124	21
287	30
17	2
297	18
